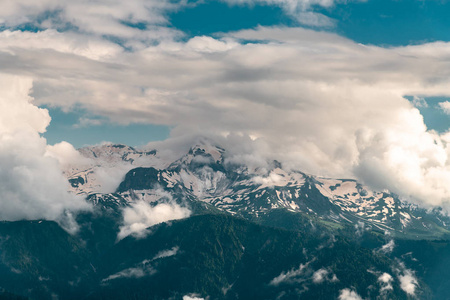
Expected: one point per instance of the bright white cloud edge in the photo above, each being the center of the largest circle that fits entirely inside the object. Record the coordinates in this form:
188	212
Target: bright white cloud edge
316	101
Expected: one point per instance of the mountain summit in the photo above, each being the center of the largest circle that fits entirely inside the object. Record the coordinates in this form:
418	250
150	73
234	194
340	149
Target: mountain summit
205	175
205	225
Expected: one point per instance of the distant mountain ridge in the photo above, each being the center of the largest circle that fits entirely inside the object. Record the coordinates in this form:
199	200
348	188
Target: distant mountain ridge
204	175
205	226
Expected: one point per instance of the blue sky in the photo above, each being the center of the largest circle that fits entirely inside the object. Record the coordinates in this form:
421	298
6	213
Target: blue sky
380	22
65	127
393	23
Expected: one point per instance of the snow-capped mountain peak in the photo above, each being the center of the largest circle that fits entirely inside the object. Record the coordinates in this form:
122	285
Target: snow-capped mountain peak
114	153
202	175
200	154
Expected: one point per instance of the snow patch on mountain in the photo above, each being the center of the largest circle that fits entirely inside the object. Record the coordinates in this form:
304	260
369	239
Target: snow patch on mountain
104	167
205	174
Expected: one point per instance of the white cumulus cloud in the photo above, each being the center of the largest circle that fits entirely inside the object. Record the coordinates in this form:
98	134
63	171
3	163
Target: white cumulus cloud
348	294
66	154
445	106
315	101
192	297
385	281
140	215
31	184
408	282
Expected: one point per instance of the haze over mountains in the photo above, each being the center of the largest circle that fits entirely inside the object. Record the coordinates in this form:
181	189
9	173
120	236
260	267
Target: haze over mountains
208	174
204	225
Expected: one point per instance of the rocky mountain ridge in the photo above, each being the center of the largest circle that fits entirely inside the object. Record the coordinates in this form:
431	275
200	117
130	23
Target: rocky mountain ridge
203	226
204	175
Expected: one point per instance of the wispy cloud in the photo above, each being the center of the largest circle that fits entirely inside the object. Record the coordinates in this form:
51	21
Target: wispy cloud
294	275
445	106
305	275
166	253
419	102
300	10
102	18
143	269
388	247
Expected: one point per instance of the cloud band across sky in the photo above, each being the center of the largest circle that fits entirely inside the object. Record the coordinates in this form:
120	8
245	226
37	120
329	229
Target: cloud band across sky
318	101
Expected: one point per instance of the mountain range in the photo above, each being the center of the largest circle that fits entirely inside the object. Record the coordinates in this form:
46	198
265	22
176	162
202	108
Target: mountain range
205	226
204	176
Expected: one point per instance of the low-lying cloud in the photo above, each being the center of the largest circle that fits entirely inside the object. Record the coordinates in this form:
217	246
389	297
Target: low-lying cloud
139	271
388	247
140	215
324	275
385	280
293	276
305	275
193	297
166	253
348	294
408	282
